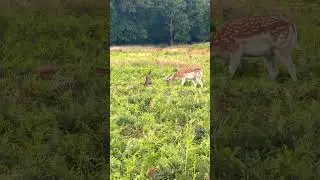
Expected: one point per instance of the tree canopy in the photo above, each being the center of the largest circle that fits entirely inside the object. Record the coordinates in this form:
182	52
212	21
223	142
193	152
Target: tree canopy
159	21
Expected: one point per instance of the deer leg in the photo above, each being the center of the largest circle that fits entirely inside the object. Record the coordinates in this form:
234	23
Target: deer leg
234	62
272	67
183	81
285	58
194	83
199	82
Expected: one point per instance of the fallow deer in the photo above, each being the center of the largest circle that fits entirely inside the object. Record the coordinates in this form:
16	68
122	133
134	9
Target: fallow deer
256	36
191	73
148	79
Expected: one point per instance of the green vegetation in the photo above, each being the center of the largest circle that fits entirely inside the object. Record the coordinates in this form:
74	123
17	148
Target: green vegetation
160	130
159	21
52	125
266	129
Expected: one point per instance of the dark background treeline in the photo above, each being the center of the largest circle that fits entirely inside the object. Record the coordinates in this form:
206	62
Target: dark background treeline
159	21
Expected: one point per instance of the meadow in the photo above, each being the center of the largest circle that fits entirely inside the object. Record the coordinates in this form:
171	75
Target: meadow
160	131
53	94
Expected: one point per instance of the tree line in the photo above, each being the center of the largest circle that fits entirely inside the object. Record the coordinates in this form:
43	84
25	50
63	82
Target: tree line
159	21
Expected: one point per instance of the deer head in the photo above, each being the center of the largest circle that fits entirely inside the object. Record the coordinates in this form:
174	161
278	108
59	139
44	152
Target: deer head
169	78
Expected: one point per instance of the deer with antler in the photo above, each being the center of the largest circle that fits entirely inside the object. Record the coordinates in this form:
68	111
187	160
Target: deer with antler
257	36
188	73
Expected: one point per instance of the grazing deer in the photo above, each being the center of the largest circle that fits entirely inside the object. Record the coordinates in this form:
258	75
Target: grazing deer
195	74
148	79
256	36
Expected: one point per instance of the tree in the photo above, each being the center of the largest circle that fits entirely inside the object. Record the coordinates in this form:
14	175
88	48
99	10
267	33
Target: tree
159	21
176	18
126	24
199	16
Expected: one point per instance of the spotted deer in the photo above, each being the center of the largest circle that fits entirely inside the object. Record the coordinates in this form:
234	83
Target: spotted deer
270	37
192	73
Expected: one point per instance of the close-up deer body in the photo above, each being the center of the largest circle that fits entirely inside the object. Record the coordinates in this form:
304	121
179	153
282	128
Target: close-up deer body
193	74
270	37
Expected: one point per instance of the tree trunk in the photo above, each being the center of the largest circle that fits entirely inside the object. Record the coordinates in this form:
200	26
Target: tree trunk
170	36
170	42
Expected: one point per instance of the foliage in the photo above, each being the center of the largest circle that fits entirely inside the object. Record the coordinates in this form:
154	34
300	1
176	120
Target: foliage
165	127
148	22
55	126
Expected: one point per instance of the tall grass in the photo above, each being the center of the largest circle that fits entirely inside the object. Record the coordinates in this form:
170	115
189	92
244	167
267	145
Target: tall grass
52	125
161	130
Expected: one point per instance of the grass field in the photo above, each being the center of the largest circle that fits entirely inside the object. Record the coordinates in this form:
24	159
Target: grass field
270	129
52	125
161	130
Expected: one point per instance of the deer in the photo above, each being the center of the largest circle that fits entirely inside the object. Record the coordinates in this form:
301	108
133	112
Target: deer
256	36
190	73
148	79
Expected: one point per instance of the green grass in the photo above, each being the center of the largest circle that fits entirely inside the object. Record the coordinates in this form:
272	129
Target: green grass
162	126
269	129
52	126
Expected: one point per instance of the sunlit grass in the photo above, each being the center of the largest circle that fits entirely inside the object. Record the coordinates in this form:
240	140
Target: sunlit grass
165	127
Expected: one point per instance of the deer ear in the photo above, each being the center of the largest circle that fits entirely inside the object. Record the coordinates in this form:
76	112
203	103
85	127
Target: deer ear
168	77
165	78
